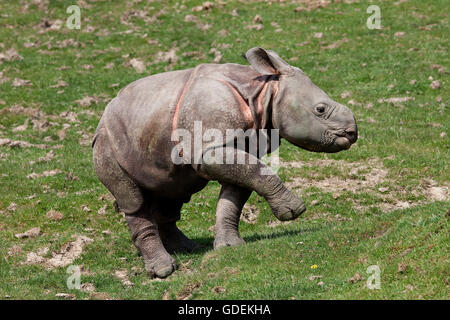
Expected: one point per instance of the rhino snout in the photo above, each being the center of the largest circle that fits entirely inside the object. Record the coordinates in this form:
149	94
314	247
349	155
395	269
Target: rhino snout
348	134
345	138
351	134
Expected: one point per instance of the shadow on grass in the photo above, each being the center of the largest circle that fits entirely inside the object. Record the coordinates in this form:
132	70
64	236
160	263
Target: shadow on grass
206	243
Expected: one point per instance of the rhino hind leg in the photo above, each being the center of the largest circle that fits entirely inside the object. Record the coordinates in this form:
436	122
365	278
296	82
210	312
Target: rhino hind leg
155	234
143	213
167	213
231	201
174	239
146	238
129	197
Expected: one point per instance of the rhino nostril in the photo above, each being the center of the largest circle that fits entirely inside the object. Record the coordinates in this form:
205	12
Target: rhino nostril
351	134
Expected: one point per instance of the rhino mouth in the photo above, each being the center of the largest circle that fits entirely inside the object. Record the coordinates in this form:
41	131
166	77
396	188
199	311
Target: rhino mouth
331	141
334	141
342	142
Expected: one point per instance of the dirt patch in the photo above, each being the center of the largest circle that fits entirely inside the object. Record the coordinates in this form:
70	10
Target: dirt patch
14	250
32	233
48	157
68	296
87	101
20	144
87	287
362	177
69	116
169	57
10	55
276	223
12	207
100	296
40	125
328	216
356	278
40	122
354	181
86	139
122	275
17	82
21	127
68	253
20	110
48	173
218	290
250	213
54	215
438	193
102	210
395	100
137	64
36	257
187	291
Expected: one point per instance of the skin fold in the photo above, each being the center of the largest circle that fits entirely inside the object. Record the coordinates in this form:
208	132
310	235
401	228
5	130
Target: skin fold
133	145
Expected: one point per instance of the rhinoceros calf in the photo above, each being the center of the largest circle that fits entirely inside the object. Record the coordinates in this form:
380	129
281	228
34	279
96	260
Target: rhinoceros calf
134	146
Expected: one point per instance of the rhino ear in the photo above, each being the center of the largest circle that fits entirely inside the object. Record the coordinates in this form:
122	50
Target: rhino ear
267	62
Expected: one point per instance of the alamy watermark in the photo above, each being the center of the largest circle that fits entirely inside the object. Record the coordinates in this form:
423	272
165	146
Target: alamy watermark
374	21
230	146
74	20
374	280
74	280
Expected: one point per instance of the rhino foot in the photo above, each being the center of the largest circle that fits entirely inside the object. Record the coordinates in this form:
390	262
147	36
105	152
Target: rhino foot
160	266
174	240
228	241
286	205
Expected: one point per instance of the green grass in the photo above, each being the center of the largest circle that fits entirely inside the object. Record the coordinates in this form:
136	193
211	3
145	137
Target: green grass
342	234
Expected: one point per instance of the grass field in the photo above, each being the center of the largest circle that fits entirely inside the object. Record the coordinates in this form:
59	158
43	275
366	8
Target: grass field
384	202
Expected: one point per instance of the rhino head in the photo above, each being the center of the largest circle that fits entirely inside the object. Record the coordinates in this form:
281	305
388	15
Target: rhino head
305	115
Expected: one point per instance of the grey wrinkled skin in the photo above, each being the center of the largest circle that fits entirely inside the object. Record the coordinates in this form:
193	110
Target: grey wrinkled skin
132	146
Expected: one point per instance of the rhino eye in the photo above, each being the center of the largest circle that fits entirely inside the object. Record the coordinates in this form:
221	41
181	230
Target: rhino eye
320	109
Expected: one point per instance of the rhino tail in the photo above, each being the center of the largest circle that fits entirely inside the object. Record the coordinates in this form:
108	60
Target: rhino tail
93	140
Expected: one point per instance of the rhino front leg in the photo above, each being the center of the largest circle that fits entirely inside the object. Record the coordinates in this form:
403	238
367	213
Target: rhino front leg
285	205
231	200
146	238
